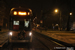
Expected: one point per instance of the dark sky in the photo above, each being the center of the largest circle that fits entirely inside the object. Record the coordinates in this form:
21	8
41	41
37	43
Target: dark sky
38	5
33	4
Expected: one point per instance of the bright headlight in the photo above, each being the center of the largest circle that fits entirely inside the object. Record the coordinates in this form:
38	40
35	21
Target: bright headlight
10	33
30	33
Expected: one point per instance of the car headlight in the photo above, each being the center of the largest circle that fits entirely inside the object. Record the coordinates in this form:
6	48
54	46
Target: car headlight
30	33
10	33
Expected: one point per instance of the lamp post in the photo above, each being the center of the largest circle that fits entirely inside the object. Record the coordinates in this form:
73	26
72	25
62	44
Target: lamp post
70	13
56	10
68	23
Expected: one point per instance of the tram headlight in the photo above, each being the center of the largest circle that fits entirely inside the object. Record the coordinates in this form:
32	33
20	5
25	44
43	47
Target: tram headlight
30	34
10	33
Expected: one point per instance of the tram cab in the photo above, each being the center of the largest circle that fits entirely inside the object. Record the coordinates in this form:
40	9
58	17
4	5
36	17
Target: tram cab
20	25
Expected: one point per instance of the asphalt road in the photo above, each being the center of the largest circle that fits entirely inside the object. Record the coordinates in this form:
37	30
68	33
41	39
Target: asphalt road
39	43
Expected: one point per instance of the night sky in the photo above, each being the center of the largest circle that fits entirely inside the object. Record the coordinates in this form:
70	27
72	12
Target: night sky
38	5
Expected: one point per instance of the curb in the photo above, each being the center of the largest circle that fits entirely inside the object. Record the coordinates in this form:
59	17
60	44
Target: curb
1	45
63	43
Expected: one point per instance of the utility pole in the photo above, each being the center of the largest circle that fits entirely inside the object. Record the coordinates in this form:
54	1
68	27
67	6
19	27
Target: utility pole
60	21
68	22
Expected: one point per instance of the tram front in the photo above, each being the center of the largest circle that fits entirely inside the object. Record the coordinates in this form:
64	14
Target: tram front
20	25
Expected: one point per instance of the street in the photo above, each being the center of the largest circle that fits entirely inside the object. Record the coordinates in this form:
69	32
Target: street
37	25
39	43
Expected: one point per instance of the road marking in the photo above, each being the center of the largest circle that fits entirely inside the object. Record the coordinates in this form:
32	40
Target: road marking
3	43
57	43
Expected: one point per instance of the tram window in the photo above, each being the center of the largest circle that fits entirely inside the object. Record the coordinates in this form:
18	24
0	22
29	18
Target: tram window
26	24
16	23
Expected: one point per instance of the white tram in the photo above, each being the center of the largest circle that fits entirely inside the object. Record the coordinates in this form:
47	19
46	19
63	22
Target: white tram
20	25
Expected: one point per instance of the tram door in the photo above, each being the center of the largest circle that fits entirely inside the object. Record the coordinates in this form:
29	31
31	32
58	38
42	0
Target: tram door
21	25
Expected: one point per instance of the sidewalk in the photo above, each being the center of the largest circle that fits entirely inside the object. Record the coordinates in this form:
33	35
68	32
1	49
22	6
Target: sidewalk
64	36
3	36
4	30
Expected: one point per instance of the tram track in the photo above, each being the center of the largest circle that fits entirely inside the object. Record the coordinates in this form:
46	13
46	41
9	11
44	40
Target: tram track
42	42
51	40
55	40
11	46
16	46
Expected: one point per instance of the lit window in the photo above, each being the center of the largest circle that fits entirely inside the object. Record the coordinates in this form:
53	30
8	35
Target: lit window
16	23
26	23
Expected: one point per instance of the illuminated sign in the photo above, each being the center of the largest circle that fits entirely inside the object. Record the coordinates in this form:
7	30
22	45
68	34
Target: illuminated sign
22	13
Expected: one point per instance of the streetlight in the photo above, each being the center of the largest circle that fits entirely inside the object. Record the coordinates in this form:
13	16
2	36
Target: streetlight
70	13
56	10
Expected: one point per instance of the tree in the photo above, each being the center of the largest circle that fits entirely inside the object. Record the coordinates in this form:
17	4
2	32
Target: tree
2	12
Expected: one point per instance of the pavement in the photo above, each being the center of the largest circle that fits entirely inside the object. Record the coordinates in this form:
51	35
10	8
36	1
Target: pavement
64	36
3	36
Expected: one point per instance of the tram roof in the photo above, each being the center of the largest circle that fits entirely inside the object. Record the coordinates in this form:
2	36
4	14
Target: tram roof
21	9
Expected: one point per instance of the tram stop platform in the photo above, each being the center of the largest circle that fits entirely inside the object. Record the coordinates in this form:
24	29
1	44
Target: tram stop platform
63	36
3	36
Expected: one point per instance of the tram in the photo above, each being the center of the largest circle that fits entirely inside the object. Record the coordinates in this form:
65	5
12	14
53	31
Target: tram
20	25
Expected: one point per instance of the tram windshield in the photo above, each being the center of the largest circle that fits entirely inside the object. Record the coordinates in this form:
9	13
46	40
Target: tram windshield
21	25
